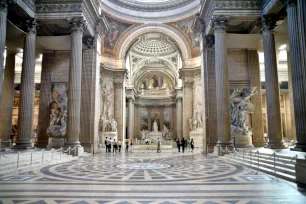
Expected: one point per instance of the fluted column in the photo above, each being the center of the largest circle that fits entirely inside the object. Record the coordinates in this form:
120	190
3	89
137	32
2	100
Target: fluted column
27	88
275	132
3	20
131	117
257	122
179	117
74	85
7	102
298	72
222	83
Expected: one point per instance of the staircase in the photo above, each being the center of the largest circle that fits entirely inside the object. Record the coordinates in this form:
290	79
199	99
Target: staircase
274	164
23	161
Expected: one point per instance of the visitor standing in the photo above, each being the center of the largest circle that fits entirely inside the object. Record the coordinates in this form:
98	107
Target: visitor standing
126	145
109	144
131	145
119	145
158	145
192	145
183	144
114	146
178	144
188	145
106	145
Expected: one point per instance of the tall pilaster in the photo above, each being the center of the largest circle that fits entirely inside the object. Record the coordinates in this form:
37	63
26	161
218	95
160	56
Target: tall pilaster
222	83
257	122
298	65
275	132
74	85
119	109
45	98
179	117
187	107
7	102
3	20
131	101
27	88
203	80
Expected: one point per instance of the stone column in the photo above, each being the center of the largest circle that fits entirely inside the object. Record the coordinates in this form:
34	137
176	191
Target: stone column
203	80
275	132
179	117
131	117
74	86
149	119
257	122
222	84
27	88
297	41
161	122
119	97
3	20
90	111
7	102
45	98
187	107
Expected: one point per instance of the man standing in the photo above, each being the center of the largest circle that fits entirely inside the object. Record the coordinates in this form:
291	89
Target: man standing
106	144
119	145
158	145
178	143
183	145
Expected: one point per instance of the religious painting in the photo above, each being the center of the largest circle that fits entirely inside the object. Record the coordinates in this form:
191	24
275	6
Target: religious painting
167	117
155	115
155	81
193	35
144	118
115	29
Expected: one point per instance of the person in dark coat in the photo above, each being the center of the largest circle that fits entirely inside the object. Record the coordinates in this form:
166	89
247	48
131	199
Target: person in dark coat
178	143
183	144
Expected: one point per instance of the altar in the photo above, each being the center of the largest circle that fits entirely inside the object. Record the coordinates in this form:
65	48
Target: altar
154	136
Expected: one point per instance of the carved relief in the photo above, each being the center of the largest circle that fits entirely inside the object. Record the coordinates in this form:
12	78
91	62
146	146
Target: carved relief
58	7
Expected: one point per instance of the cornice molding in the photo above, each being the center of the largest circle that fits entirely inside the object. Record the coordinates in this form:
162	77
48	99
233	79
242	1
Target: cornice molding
234	4
51	8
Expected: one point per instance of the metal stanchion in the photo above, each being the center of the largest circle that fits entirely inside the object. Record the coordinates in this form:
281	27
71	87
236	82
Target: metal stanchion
31	158
18	154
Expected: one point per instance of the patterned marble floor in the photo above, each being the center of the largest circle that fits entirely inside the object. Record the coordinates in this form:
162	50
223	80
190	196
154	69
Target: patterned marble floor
147	178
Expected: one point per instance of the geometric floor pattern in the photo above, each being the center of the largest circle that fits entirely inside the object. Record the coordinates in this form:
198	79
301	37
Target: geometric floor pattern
147	178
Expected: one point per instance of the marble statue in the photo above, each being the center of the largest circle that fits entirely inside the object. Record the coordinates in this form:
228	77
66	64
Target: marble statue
155	126
114	125
240	108
166	133
196	123
58	117
190	124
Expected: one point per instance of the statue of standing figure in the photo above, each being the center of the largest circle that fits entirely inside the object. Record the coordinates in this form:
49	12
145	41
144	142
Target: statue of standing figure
155	126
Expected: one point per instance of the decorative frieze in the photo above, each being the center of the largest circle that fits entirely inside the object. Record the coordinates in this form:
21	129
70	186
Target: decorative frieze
255	4
51	8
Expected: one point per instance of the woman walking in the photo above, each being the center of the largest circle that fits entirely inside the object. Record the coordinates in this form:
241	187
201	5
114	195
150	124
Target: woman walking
192	145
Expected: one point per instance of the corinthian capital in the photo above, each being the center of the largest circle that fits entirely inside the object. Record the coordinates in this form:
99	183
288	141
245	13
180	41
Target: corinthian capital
220	22
4	4
78	24
268	22
290	3
31	26
90	42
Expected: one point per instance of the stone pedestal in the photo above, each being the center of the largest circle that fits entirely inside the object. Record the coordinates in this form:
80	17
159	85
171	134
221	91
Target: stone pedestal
241	141
112	135
300	169
197	138
155	136
55	142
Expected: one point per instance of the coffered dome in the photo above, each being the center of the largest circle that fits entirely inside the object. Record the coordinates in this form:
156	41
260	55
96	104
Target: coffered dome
154	47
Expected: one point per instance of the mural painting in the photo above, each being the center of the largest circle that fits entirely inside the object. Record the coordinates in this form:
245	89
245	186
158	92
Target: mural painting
167	117
186	27
144	119
115	29
155	81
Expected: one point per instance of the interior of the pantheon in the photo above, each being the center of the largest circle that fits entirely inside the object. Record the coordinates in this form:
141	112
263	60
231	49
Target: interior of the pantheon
223	73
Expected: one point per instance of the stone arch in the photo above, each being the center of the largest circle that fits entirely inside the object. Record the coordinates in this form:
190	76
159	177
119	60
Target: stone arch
128	38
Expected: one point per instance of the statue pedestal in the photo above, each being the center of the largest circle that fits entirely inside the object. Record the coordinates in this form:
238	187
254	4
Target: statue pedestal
242	141
154	136
197	138
108	135
55	142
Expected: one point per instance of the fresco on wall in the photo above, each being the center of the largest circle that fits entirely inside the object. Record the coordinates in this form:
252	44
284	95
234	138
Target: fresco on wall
155	81
144	119
167	117
192	34
112	35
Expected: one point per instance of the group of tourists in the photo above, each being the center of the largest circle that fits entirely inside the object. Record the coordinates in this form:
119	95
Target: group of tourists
185	144
112	145
129	145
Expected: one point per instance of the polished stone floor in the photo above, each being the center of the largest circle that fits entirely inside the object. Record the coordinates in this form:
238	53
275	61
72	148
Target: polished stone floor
147	178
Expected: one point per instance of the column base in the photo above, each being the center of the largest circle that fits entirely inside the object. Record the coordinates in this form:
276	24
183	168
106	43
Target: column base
300	169
87	147
277	145
42	144
220	148
23	145
299	147
210	147
78	151
259	144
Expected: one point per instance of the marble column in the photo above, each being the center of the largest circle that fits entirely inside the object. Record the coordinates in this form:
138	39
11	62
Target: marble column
187	107
131	117
257	122
297	32
161	121
149	120
3	20
179	117
74	86
119	111
275	132
7	102
204	48
90	110
27	88
45	98
222	83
